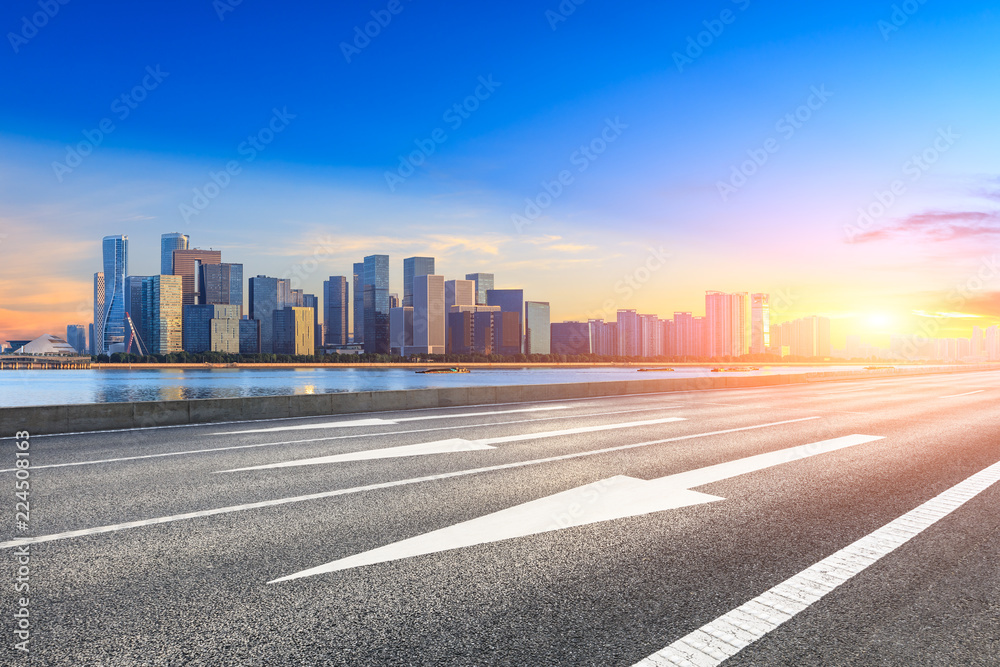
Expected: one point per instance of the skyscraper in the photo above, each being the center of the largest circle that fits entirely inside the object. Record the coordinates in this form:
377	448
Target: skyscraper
728	324
760	323
376	304
186	265
401	330
76	335
570	338
310	301
210	327
509	301
293	330
359	303
629	333
336	301
413	267
484	283
428	314
112	323
97	331
169	243
221	284
266	296
537	337
162	298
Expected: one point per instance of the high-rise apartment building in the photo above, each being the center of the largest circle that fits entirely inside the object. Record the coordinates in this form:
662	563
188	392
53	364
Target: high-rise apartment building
537	331
162	298
293	330
337	304
650	336
484	283
728	324
760	323
76	335
266	296
629	334
169	243
112	320
376	304
221	284
358	330
428	314
186	266
413	267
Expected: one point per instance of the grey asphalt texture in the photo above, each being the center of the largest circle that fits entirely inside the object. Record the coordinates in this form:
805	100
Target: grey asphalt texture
196	591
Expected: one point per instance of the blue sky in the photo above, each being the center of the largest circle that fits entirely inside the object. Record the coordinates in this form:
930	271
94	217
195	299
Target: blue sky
555	86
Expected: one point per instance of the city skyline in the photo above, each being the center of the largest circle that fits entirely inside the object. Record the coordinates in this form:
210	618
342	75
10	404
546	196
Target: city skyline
821	173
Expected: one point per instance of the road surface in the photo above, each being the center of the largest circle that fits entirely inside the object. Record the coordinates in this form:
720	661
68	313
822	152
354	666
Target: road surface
842	523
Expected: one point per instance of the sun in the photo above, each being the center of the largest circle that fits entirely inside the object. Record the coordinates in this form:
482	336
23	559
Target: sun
879	320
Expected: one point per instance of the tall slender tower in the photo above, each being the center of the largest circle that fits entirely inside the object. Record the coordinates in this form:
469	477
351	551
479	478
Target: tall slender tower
336	302
359	302
112	323
169	243
413	267
96	331
760	323
376	304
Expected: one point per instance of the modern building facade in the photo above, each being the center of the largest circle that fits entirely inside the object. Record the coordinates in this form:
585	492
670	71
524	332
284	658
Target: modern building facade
221	284
429	327
760	323
337	303
169	243
358	323
249	336
186	265
537	327
483	283
629	334
570	338
376	304
76	335
97	332
211	328
162	298
401	330
112	320
266	296
413	267
509	301
293	330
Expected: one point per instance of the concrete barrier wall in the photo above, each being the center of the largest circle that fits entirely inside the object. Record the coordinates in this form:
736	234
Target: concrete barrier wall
40	420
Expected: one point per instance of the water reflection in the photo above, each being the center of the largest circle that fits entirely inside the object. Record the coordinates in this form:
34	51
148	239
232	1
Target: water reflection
55	387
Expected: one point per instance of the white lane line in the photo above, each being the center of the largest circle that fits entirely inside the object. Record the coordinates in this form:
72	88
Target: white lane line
383	485
390	422
968	393
448	446
335	437
605	500
844	391
729	634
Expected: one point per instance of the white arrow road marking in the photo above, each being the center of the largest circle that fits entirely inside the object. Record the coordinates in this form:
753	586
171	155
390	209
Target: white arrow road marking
615	498
390	422
968	393
729	634
448	446
384	485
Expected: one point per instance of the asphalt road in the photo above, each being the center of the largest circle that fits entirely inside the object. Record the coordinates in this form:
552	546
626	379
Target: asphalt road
166	546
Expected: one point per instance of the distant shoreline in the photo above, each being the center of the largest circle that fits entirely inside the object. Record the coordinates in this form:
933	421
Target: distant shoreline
486	365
